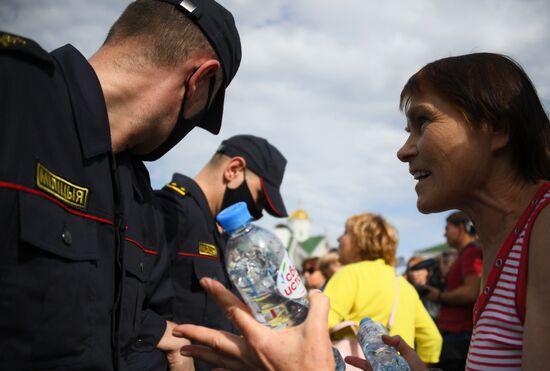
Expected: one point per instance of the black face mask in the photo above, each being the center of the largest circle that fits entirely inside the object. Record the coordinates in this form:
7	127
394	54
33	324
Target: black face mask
241	193
182	128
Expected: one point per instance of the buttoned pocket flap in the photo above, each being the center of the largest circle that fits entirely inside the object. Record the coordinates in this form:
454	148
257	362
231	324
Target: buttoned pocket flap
57	229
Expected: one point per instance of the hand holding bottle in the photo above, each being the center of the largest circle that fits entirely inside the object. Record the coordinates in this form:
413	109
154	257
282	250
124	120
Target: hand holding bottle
415	363
303	347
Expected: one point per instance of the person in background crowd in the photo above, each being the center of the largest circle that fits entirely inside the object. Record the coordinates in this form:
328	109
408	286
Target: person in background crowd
461	289
421	272
446	260
479	141
311	271
418	277
244	168
80	236
368	286
329	264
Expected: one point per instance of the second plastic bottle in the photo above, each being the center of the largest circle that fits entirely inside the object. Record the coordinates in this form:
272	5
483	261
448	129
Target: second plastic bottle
381	356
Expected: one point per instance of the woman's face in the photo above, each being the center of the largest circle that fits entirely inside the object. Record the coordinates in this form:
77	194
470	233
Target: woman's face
348	252
314	277
448	158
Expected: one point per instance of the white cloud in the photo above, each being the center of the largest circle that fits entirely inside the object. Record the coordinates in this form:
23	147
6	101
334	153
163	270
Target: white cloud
321	80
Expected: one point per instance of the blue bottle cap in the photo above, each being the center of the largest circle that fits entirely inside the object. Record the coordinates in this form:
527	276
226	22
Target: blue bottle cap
365	320
234	217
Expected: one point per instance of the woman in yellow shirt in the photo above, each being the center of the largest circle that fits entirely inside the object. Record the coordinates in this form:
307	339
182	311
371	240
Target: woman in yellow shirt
368	286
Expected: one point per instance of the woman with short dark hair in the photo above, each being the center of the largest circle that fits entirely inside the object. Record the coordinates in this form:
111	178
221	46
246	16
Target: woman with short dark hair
479	141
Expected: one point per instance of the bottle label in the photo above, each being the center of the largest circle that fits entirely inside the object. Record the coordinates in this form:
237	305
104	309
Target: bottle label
289	282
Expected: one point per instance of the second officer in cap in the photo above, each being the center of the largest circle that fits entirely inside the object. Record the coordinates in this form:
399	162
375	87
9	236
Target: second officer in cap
244	168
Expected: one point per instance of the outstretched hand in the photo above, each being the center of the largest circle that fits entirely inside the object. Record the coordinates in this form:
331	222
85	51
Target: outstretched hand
402	347
303	347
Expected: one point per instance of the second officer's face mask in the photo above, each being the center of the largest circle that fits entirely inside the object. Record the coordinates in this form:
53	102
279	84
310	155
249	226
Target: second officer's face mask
241	193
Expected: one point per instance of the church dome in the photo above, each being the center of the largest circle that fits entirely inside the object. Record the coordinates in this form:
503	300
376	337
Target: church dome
299	214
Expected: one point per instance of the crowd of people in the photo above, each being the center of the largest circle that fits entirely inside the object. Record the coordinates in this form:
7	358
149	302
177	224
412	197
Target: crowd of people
101	272
433	311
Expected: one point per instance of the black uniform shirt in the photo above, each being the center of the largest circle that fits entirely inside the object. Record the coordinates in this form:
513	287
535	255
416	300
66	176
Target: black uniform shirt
79	237
196	249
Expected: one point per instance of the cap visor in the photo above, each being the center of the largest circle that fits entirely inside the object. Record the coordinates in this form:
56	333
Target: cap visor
213	118
274	204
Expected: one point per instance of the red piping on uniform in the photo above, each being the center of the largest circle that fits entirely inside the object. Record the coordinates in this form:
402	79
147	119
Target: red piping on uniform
269	199
58	203
198	256
35	192
152	252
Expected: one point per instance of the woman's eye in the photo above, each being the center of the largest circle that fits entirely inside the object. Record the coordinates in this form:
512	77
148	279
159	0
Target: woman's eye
422	121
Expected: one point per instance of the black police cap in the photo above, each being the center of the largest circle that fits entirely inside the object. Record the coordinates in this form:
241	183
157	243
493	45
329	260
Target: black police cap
265	161
218	25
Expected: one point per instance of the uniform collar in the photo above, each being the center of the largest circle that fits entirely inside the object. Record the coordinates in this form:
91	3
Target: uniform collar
88	102
197	194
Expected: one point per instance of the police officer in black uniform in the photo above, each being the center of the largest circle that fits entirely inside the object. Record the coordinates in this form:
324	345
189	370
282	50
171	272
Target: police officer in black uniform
244	168
81	239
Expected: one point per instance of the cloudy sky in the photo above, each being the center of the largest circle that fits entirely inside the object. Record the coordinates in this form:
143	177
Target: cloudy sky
321	80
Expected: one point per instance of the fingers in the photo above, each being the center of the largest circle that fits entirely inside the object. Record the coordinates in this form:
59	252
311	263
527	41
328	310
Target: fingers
398	343
210	356
406	351
358	362
238	312
248	326
224	342
225	298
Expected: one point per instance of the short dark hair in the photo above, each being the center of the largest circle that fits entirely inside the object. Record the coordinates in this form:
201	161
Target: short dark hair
168	36
492	89
313	261
460	218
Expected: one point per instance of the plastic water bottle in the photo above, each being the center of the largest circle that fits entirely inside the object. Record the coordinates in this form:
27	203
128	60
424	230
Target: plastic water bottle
381	356
259	266
339	364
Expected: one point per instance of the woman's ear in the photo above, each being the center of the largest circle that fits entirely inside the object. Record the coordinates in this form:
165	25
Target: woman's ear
499	139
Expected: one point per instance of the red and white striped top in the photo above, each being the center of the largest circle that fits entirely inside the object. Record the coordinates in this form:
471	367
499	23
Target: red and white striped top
499	313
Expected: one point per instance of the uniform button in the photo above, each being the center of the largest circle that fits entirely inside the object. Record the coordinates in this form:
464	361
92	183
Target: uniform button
486	291
139	341
498	263
141	267
67	238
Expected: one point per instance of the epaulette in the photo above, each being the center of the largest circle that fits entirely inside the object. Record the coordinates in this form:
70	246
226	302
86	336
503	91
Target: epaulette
23	47
182	191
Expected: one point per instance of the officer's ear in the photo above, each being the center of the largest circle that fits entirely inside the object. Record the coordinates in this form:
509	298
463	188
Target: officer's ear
233	172
200	78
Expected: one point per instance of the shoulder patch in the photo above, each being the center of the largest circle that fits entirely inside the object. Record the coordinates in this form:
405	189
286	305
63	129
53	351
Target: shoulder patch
21	46
208	249
182	191
61	188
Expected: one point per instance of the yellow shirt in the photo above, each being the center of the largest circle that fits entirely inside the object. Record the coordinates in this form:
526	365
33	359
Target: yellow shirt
367	289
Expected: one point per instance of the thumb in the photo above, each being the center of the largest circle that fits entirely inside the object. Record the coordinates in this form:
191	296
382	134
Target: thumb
249	327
